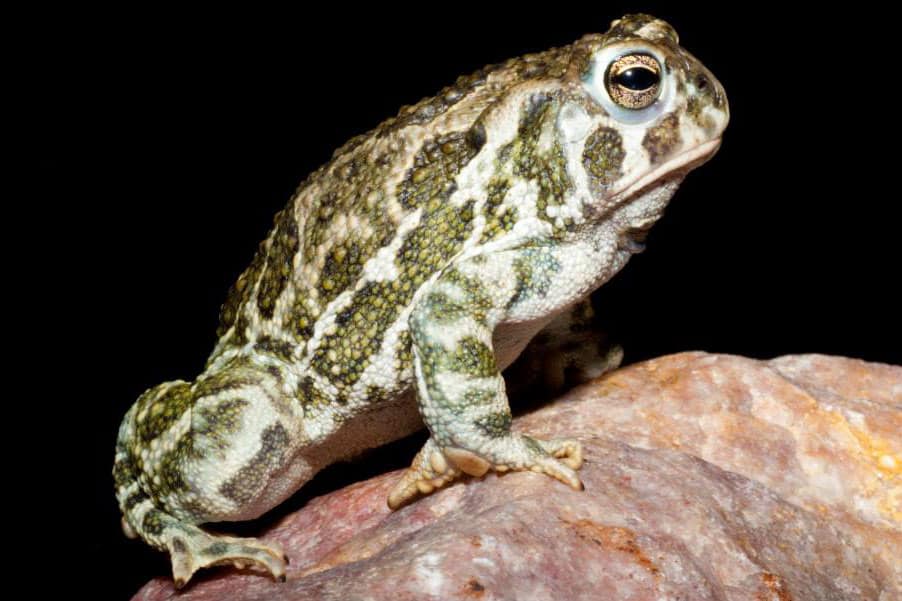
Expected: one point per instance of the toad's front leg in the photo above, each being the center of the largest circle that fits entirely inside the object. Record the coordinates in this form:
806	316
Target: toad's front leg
460	390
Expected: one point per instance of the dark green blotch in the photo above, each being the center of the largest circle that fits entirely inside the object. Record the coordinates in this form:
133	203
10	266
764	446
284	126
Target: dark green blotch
471	357
404	351
239	294
216	549
376	396
603	156
436	165
344	262
316	224
535	269
124	470
310	396
441	308
301	320
236	373
496	223
133	499
663	138
240	336
476	396
278	348
478	302
163	411
153	522
250	479
495	425
496	190
216	424
279	261
172	468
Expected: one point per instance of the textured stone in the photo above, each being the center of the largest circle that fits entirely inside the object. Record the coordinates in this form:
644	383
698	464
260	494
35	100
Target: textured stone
707	477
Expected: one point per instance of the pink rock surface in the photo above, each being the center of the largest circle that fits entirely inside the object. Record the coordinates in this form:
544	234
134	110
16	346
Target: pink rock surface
707	477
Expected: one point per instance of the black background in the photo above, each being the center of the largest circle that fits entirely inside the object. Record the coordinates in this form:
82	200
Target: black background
167	142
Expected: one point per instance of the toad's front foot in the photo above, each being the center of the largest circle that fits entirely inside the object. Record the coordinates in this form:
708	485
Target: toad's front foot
435	467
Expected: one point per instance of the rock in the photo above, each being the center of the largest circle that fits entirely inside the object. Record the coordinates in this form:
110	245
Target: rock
707	477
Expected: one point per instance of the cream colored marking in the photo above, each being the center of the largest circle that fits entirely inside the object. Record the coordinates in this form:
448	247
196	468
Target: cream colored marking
454	385
382	267
653	30
574	123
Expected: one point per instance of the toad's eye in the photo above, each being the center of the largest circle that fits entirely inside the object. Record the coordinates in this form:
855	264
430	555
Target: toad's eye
633	81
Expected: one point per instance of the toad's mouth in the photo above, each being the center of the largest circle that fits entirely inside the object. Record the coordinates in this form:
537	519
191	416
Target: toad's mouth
678	166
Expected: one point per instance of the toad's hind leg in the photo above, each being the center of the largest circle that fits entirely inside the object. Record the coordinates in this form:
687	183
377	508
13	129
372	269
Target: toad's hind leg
460	391
188	454
189	547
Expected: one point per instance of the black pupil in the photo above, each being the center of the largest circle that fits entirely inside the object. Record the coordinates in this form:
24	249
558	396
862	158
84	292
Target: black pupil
636	78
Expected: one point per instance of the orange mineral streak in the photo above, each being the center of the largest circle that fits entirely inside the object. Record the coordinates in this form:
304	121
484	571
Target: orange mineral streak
613	538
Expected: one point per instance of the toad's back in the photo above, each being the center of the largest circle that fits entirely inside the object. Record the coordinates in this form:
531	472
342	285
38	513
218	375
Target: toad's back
328	289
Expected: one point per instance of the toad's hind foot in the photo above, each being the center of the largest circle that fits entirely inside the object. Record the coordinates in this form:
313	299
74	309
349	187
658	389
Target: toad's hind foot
200	550
435	467
191	549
